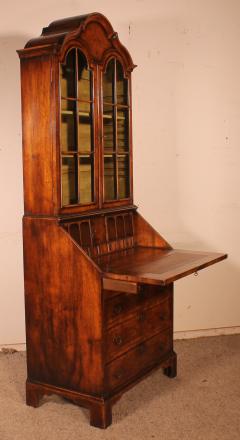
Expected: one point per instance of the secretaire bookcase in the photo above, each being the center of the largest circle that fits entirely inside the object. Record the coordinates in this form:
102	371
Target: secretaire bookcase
98	278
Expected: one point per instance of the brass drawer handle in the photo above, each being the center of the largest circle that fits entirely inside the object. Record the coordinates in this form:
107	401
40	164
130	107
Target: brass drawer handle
117	340
117	309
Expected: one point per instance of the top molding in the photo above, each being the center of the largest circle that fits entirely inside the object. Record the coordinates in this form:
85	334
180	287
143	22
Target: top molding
94	30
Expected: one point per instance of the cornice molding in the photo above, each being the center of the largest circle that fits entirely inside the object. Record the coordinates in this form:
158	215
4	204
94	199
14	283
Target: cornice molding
60	35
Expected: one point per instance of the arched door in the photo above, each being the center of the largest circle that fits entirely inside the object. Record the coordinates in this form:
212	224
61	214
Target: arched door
77	140
116	144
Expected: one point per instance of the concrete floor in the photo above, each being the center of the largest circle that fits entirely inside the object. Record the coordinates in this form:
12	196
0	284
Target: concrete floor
202	403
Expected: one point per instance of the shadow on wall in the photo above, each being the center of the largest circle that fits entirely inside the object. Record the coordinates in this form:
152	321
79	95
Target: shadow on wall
11	193
11	142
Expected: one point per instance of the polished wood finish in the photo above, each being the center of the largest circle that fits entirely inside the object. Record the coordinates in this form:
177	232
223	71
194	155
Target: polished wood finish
103	234
120	307
155	266
95	37
39	140
134	362
144	324
119	286
63	311
98	277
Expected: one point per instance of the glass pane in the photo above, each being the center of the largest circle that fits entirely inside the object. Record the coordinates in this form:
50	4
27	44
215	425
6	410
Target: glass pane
122	130
67	104
86	179
109	178
122	85
123	177
67	75
83	107
108	82
69	187
108	128
68	130
85	130
84	78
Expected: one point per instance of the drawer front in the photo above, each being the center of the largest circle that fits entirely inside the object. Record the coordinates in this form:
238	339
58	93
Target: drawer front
140	358
122	306
142	325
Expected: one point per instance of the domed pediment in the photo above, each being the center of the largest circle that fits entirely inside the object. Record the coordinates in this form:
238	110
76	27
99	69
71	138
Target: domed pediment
93	30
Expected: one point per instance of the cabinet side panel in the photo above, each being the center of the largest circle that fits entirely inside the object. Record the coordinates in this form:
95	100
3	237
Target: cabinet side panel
145	234
63	309
38	120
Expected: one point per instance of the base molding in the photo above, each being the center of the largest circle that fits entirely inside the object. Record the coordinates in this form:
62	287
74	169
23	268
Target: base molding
11	348
201	333
100	407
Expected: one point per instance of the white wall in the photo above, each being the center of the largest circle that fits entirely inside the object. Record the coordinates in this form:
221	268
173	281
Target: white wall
186	97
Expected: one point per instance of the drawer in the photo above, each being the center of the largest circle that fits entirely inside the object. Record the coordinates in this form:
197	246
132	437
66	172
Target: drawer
131	364
121	306
142	325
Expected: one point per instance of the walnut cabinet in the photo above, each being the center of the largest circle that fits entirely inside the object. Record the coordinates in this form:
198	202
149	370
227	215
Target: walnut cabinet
98	278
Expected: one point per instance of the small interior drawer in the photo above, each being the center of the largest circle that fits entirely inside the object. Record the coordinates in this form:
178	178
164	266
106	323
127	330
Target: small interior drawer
140	358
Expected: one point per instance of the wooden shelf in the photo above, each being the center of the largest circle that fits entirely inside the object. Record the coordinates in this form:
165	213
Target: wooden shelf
70	153
111	117
72	112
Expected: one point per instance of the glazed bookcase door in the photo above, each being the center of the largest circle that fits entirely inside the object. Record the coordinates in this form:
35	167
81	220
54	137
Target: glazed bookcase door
116	138
77	132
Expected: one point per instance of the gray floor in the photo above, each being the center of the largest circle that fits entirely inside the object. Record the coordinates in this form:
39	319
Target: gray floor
203	402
